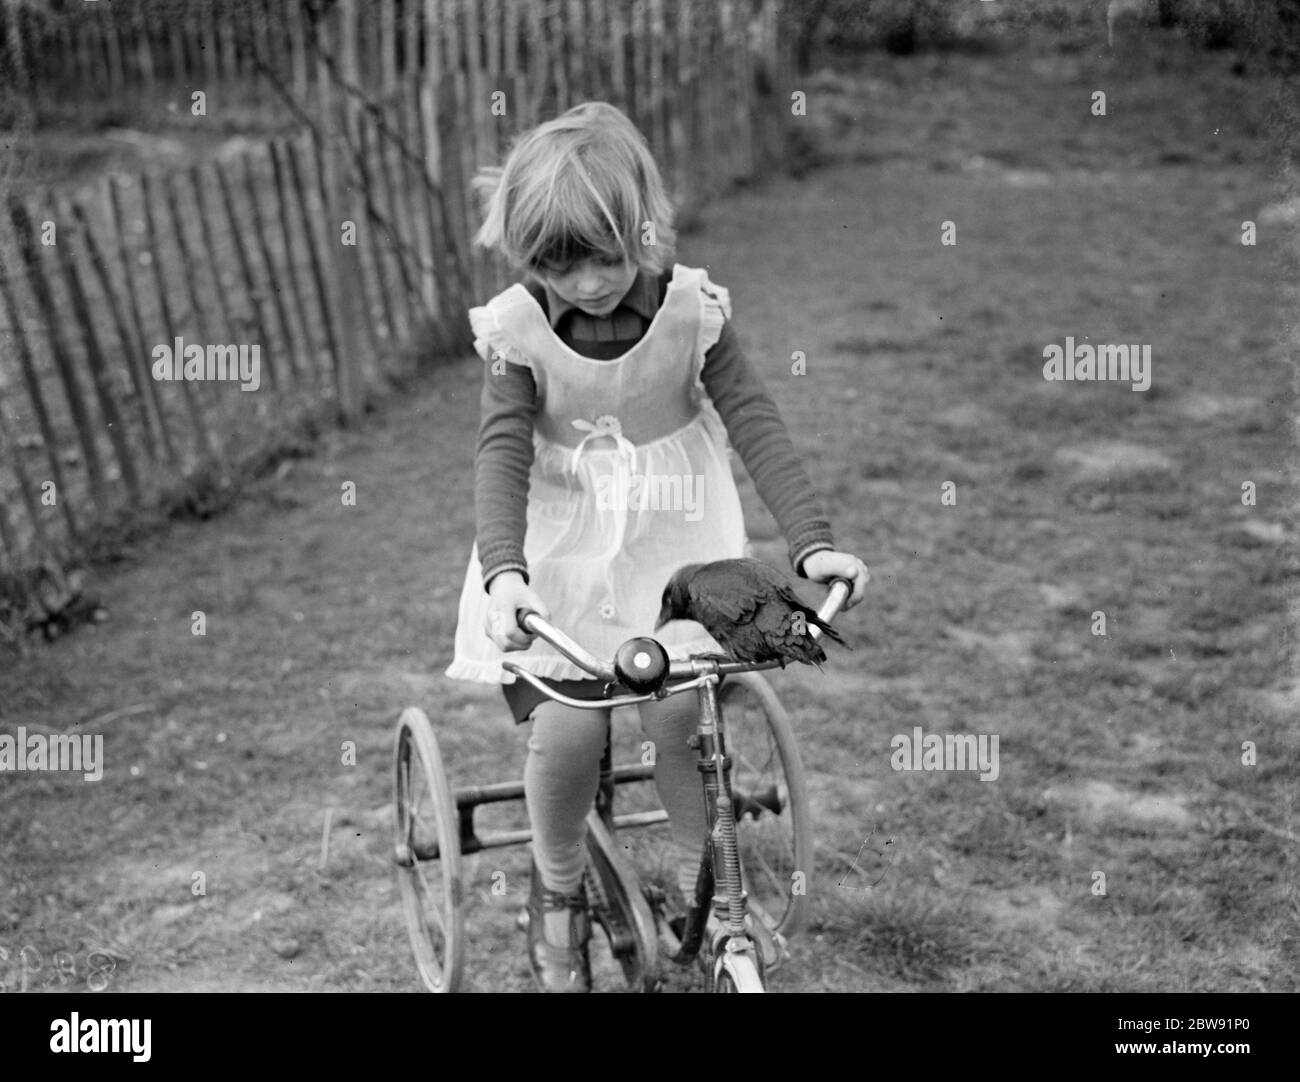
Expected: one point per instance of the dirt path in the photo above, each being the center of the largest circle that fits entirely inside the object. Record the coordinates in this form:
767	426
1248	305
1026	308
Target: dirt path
1120	753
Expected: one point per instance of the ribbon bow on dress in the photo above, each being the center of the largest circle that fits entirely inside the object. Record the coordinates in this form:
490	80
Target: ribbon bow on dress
606	425
613	524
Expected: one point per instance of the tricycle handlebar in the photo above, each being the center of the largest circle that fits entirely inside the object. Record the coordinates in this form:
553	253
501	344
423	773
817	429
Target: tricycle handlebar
644	650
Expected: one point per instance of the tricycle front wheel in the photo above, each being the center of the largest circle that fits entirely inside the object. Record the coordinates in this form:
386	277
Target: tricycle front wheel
770	791
617	904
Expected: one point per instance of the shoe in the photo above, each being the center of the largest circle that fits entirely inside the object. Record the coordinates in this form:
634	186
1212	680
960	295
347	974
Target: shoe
558	969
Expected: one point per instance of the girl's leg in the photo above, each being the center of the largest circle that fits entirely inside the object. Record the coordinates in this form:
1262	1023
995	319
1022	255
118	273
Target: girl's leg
561	774
670	724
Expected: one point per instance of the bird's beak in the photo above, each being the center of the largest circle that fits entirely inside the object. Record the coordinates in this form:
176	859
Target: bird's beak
663	619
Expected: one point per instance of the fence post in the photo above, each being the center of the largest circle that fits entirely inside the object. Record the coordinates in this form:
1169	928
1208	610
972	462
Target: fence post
430	85
342	384
371	148
387	47
510	69
207	446
189	266
98	364
25	487
284	203
8	538
472	101
678	32
539	66
225	33
411	34
397	228
16	47
27	364
117	223
273	278
658	93
618	57
345	265
189	260
319	36
598	46
577	45
405	119
67	49
706	47
373	226
266	45
260	323
339	191
95	66
444	242
134	356
495	121
113	42
644	91
179	58
453	179
210	244
293	15
22	222
143	39
208	41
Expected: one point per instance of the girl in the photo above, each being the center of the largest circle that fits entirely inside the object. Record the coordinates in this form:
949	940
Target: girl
612	389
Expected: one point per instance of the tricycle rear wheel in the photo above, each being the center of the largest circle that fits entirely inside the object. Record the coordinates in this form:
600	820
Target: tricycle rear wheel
427	852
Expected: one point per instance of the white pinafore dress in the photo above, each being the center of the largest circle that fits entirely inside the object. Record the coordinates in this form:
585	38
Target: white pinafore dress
631	479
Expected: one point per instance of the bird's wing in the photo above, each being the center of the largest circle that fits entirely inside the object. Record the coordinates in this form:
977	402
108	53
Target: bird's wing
787	634
811	619
746	642
719	597
769	576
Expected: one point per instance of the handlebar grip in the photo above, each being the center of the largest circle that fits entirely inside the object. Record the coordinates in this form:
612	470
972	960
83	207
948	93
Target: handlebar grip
839	590
522	617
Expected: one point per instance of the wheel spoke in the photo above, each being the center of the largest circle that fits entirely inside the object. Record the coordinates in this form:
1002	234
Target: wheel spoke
429	897
757	857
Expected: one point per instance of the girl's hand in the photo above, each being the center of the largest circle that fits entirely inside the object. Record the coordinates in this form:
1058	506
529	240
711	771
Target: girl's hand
508	593
826	565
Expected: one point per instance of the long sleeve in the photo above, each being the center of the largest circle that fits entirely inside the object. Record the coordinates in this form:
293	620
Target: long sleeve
501	468
762	441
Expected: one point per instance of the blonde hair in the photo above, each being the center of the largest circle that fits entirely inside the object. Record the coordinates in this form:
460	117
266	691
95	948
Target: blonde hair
581	185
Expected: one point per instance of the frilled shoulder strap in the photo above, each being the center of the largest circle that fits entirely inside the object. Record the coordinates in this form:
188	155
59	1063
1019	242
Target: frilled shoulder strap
491	324
715	310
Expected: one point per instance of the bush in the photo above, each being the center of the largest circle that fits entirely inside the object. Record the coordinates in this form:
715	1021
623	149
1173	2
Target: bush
1268	28
904	25
1218	24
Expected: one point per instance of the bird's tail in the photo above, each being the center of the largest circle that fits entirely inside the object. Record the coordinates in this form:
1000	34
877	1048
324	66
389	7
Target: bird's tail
827	630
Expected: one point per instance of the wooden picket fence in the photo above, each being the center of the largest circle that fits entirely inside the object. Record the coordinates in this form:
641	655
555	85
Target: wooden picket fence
89	47
339	252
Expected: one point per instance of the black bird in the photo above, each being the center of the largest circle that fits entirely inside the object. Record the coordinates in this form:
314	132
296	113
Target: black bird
750	608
